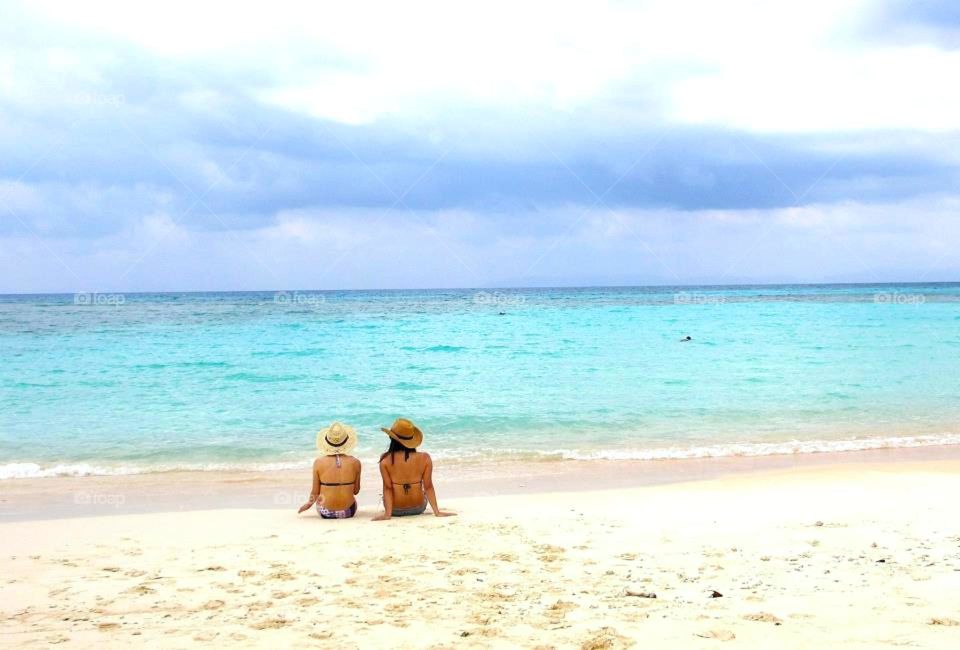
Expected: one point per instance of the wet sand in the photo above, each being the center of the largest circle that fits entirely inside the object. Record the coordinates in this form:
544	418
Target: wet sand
46	498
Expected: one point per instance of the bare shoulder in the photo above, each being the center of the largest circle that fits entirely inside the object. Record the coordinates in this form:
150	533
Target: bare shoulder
319	463
355	461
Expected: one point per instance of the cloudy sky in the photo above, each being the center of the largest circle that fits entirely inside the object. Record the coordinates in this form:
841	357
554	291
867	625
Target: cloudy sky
206	146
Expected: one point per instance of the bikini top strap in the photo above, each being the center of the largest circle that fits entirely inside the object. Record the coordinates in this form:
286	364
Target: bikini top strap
337	459
407	486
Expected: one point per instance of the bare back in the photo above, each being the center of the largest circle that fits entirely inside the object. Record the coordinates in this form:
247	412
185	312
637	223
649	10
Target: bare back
406	477
338	485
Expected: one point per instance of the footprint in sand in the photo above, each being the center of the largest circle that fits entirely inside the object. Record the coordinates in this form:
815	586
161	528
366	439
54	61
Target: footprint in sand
559	609
548	548
282	574
763	617
720	635
605	638
258	605
271	624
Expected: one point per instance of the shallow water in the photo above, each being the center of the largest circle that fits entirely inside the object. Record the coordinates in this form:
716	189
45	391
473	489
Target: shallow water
140	382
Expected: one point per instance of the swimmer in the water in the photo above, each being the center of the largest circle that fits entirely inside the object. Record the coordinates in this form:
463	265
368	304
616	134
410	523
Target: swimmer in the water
686	338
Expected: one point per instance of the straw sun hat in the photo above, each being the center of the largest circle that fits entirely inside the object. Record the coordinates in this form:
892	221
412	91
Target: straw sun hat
336	439
405	432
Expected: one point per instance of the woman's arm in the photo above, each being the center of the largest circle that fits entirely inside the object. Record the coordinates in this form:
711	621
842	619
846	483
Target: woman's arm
315	490
430	492
387	494
356	483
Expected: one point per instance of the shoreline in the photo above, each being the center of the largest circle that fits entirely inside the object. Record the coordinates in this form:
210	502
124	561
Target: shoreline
61	497
27	469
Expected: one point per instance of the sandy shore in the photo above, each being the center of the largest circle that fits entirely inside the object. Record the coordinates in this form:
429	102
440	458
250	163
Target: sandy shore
858	554
86	496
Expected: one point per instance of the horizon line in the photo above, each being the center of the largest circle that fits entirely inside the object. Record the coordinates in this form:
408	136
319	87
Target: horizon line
500	288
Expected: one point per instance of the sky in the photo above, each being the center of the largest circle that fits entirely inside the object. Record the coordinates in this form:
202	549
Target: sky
251	146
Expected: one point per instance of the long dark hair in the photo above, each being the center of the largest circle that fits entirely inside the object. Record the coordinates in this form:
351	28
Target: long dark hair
396	446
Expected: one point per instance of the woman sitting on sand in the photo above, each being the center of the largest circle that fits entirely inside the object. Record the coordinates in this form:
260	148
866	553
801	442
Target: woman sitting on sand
336	476
407	474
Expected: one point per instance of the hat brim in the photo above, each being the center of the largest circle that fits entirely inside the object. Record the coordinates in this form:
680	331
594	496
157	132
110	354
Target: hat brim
412	443
328	449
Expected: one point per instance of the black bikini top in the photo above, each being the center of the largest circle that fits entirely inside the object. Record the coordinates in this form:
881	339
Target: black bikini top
407	486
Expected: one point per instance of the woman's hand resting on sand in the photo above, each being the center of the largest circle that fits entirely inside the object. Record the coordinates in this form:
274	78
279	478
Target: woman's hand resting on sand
308	504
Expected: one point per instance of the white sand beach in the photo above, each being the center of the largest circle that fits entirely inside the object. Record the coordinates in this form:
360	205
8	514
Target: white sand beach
851	554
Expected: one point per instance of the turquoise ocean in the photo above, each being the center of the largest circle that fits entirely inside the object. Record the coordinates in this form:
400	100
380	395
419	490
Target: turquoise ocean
126	383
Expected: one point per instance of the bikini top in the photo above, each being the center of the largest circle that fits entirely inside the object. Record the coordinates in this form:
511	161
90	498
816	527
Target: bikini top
407	486
337	457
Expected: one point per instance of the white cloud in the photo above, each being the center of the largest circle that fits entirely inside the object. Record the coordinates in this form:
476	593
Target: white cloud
819	90
19	197
764	66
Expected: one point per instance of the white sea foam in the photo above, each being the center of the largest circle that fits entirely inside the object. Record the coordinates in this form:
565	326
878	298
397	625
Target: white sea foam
718	450
787	447
35	470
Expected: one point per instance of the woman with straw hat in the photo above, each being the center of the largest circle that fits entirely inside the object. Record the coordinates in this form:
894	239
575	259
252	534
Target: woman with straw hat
336	475
407	474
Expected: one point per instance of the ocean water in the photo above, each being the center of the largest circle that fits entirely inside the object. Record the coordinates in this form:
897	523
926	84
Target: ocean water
151	382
